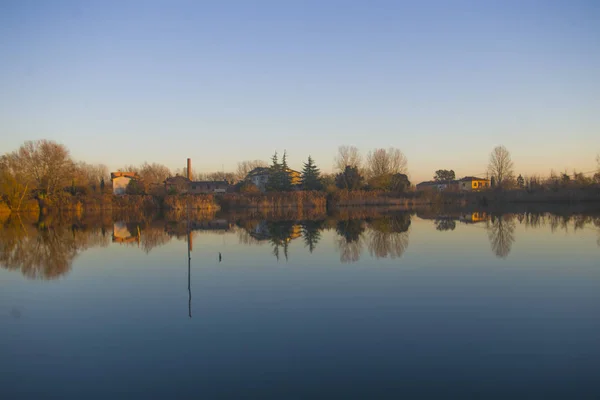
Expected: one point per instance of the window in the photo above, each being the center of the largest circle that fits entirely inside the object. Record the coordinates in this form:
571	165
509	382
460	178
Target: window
193	187
475	184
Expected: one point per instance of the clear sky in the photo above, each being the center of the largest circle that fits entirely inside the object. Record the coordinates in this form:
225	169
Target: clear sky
122	82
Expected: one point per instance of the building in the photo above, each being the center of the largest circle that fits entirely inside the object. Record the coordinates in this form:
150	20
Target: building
438	186
180	184
197	187
473	184
260	177
120	180
177	184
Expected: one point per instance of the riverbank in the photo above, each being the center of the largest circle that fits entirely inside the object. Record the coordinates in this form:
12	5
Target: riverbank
299	200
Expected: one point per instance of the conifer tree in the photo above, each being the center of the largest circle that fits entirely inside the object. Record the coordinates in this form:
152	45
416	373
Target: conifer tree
285	177
311	176
274	183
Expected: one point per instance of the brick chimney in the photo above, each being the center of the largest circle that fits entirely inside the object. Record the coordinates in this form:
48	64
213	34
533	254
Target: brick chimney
189	169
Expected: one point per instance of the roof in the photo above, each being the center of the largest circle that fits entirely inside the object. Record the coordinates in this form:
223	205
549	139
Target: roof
260	171
427	183
436	183
217	183
472	178
174	179
119	174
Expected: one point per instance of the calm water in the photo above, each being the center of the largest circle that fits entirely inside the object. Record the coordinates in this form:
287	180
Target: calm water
358	305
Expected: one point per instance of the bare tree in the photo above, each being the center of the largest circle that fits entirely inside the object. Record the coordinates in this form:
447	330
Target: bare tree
501	165
348	156
220	176
244	167
90	174
153	173
129	168
45	163
386	162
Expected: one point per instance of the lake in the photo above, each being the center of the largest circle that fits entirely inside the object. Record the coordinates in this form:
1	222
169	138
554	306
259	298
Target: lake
359	304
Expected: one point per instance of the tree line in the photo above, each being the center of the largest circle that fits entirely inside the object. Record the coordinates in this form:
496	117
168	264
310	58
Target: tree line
45	169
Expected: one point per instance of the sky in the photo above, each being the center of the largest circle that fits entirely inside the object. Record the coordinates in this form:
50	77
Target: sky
123	82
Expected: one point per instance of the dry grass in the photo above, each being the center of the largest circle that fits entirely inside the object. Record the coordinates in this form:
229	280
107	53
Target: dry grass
191	201
299	199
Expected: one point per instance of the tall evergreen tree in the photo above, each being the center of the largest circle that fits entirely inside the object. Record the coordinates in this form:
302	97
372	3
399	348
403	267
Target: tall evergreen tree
275	166
311	176
286	177
274	183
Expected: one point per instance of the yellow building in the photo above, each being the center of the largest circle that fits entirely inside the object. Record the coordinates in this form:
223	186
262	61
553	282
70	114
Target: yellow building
296	177
472	184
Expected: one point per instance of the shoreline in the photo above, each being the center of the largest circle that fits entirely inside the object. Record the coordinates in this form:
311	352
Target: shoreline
240	202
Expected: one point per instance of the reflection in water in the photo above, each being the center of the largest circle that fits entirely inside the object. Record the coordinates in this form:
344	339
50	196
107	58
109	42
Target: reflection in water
42	250
501	232
388	236
45	249
311	233
445	224
350	241
277	233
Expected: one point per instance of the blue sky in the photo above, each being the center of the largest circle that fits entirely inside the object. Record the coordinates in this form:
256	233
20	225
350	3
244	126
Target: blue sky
123	82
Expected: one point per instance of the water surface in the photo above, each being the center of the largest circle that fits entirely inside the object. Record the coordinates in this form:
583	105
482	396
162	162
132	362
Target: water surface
356	305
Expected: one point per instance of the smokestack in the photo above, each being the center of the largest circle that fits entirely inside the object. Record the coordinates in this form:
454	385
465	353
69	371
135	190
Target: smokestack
189	169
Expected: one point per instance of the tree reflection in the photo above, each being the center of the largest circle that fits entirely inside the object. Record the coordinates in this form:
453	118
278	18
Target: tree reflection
445	224
501	232
350	241
277	233
311	233
597	224
43	250
280	235
388	237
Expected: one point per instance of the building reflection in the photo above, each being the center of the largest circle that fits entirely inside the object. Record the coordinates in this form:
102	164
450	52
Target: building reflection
122	233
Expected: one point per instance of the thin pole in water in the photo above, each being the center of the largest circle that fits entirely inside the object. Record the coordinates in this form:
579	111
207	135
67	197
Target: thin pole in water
189	235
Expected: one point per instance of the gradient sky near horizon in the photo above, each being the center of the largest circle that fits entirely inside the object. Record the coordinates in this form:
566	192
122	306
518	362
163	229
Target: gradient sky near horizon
123	82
